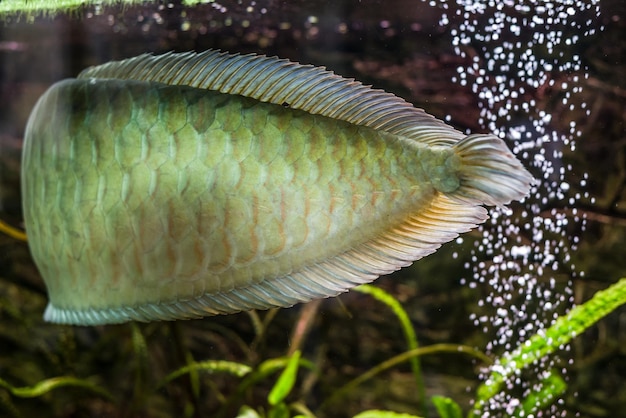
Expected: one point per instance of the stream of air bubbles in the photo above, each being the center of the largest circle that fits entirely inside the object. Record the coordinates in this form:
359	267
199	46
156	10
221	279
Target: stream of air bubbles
516	51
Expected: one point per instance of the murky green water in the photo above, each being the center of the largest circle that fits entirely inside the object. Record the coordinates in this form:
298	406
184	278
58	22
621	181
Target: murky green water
549	80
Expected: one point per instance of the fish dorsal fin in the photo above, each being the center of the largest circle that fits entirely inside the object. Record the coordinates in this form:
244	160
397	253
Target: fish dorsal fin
283	82
417	236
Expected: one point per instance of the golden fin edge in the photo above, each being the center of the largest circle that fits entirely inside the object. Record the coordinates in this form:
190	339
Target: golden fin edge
279	81
418	236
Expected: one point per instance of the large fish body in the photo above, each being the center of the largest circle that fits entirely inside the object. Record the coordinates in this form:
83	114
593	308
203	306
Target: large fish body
186	185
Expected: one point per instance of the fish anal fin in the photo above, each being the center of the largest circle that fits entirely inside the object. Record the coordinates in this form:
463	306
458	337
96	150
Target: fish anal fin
419	235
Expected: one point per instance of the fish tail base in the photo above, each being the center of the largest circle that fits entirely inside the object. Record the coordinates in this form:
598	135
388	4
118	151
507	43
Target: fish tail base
489	173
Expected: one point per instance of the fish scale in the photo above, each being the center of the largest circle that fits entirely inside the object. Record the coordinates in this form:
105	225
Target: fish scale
225	196
146	199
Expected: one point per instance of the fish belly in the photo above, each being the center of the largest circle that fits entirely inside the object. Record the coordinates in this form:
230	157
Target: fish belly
137	191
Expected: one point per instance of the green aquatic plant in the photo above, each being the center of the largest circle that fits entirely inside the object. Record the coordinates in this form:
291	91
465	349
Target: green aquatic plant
31	8
446	407
409	333
564	329
282	399
43	387
276	399
375	413
11	231
401	358
544	343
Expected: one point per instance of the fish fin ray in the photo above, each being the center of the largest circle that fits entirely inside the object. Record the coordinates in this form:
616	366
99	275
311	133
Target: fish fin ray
386	253
389	251
489	174
279	81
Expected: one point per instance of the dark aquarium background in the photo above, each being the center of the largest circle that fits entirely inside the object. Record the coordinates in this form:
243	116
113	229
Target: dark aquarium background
548	76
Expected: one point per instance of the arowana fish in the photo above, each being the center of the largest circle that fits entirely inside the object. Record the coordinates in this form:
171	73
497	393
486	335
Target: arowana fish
185	185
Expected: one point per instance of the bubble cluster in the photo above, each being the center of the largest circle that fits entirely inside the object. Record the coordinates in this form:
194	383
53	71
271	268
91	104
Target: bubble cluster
521	55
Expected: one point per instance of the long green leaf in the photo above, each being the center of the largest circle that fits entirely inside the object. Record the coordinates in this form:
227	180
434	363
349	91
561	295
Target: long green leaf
400	358
45	386
285	381
212	366
407	328
247	412
446	407
262	371
30	7
9	230
375	413
550	388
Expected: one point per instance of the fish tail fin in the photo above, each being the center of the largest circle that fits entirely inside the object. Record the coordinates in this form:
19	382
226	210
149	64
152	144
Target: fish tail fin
489	173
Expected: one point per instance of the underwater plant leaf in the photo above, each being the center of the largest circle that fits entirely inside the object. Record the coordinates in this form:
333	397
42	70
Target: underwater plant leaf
29	7
247	412
257	324
268	367
261	326
45	386
10	231
550	388
409	332
376	413
194	377
301	409
262	371
212	366
446	407
400	358
7	406
545	342
285	381
140	349
280	410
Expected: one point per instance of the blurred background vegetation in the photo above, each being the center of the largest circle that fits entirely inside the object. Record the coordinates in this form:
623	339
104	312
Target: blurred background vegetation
395	45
